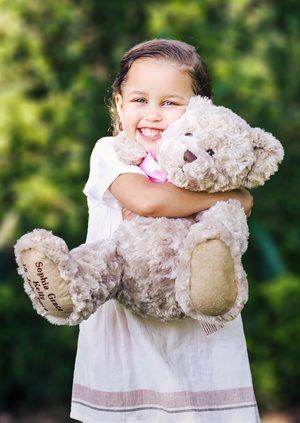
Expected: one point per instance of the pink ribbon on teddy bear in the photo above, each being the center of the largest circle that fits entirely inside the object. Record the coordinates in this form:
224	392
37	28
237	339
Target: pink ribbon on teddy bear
152	169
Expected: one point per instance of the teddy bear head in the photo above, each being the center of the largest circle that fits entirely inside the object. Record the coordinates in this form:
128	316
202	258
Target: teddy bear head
210	148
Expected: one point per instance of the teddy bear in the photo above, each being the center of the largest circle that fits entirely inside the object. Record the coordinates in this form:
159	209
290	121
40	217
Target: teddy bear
164	268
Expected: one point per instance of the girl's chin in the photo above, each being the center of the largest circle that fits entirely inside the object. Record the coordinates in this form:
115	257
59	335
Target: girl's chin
148	144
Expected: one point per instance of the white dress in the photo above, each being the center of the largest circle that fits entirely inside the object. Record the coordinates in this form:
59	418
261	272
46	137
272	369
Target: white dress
131	369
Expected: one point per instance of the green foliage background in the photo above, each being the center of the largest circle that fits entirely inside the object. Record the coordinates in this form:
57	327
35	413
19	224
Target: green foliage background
57	62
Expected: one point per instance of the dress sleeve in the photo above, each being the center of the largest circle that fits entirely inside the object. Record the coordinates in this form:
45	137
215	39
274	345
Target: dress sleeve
105	167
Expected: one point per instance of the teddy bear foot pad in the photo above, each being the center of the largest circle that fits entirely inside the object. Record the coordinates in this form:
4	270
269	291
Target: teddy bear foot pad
44	284
213	289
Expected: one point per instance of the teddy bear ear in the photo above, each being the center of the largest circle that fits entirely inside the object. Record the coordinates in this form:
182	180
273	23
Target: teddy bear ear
198	101
128	150
268	155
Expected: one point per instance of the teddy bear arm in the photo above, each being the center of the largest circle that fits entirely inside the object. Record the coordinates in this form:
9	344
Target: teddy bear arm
128	150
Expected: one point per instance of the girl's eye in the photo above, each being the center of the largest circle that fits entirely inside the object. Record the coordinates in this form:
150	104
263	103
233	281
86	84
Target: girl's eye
139	100
169	103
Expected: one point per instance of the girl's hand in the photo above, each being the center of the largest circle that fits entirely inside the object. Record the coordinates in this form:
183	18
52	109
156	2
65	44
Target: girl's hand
127	214
245	198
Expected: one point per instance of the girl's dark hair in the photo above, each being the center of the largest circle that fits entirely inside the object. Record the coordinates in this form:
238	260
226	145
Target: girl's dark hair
177	51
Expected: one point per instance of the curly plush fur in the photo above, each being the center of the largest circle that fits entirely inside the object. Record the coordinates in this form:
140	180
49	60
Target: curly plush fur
159	267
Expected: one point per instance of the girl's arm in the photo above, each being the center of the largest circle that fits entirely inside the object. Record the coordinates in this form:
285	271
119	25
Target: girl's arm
141	196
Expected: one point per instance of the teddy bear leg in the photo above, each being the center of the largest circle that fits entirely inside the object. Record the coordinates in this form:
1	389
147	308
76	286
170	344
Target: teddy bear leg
212	285
65	286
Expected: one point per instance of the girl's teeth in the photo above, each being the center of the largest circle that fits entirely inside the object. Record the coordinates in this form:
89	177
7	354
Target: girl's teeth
151	133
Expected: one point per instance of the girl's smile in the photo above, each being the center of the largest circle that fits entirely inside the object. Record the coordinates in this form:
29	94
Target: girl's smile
150	134
154	95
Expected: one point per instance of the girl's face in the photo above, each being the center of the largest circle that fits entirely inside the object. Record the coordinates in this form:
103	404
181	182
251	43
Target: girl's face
154	95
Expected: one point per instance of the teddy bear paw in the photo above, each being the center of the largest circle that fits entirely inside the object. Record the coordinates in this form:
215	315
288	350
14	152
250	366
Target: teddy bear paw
213	288
43	262
45	286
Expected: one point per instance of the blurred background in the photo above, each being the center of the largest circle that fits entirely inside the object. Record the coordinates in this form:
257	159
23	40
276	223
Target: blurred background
57	62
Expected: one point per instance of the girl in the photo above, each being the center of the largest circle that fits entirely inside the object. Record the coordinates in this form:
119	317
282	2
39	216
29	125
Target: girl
131	369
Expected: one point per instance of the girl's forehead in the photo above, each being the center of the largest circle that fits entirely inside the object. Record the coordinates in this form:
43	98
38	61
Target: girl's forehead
145	63
149	73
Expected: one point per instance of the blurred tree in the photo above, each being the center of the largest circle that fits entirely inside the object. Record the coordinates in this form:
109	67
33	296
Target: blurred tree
57	59
36	360
272	321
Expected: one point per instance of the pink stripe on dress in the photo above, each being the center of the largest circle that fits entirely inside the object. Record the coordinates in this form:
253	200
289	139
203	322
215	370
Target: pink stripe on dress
168	400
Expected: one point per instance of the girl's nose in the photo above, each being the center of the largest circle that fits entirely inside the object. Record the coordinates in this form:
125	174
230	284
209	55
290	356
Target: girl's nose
153	114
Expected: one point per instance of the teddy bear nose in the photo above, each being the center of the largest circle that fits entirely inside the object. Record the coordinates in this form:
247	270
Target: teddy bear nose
189	157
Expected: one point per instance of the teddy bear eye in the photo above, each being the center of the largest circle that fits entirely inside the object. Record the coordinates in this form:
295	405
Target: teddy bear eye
188	134
210	152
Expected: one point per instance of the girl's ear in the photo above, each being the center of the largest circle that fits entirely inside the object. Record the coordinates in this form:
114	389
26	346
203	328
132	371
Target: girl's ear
119	104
